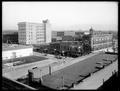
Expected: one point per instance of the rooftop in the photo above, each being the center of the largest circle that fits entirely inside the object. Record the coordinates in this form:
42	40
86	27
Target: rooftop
8	84
7	47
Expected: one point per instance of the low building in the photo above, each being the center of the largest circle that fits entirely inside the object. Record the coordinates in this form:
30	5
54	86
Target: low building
68	48
15	51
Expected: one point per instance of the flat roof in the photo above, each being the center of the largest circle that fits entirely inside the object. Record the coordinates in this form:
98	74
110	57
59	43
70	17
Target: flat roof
8	84
30	23
25	60
76	72
7	47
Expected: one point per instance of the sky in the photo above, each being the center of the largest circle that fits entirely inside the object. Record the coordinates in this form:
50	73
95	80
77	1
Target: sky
62	15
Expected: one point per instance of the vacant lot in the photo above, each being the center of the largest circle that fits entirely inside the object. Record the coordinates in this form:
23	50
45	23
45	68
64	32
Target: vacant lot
25	60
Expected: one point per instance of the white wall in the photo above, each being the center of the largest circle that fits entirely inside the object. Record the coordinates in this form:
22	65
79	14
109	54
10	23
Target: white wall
48	32
19	53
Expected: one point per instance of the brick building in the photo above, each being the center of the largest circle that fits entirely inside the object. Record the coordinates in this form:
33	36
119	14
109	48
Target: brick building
66	35
100	39
69	48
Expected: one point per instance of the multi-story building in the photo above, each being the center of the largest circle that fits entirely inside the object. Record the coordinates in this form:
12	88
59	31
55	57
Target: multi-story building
68	48
96	40
34	33
100	39
66	35
10	37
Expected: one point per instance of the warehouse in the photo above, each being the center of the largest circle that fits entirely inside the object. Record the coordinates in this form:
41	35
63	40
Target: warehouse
10	51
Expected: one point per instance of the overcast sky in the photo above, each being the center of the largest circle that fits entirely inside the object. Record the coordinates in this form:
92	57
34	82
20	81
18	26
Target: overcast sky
62	15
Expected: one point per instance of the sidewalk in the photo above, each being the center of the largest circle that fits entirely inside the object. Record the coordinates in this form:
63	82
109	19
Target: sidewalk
97	79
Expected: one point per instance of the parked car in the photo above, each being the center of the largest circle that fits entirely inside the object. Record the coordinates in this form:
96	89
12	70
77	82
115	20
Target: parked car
58	56
35	67
99	63
99	66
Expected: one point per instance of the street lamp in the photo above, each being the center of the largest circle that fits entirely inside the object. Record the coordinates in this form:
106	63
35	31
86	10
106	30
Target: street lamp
62	82
54	51
41	80
63	53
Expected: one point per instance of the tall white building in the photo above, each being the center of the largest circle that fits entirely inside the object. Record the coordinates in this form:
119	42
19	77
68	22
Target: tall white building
34	33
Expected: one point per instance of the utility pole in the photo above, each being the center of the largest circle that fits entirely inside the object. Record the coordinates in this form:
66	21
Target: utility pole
62	82
41	76
103	80
49	69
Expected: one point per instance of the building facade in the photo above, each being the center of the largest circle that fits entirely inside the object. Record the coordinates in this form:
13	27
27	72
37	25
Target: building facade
34	33
10	37
66	35
100	39
15	51
70	48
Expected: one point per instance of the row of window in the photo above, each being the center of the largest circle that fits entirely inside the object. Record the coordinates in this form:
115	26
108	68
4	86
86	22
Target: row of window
40	32
22	38
39	37
22	32
22	41
22	26
103	38
39	28
104	41
102	46
30	38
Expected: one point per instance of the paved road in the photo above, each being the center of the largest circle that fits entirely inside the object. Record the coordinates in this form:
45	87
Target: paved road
96	80
20	71
59	64
68	62
71	73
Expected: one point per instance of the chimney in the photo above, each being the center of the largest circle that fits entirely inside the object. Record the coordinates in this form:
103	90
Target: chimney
30	76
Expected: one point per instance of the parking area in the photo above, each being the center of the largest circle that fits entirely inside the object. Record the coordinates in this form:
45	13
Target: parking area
24	60
75	73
